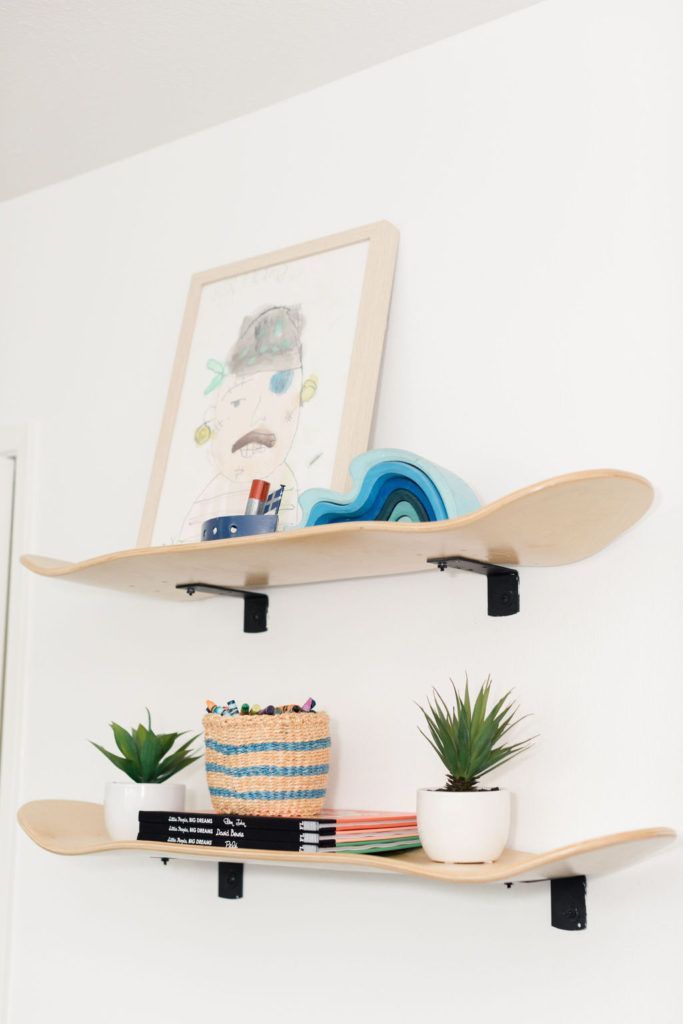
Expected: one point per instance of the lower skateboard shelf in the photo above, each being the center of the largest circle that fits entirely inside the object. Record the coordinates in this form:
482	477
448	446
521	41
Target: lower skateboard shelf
74	828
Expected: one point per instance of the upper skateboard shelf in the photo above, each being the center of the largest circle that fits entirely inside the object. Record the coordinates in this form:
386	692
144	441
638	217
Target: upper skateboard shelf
70	827
555	522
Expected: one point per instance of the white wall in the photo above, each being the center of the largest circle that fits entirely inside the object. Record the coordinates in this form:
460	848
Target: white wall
534	169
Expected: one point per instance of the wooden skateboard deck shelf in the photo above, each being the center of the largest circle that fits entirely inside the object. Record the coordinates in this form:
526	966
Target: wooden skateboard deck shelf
555	522
70	827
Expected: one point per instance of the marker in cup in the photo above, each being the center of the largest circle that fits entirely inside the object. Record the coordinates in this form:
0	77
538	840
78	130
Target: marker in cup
258	495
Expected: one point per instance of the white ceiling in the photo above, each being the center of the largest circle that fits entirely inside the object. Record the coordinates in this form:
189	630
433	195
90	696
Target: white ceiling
87	82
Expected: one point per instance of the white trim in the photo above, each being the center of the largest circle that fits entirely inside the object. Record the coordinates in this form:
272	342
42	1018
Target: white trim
7	464
20	443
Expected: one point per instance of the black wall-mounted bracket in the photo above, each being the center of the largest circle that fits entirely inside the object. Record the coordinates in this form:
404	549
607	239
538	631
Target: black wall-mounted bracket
567	895
502	582
230	880
255	605
567	902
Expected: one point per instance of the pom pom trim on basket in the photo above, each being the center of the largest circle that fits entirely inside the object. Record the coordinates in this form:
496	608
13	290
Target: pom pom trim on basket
268	765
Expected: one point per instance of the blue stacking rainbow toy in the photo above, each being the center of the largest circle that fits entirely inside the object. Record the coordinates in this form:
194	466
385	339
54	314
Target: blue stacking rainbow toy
391	486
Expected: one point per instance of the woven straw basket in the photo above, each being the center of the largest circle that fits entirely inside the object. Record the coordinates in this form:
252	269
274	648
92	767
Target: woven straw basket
274	765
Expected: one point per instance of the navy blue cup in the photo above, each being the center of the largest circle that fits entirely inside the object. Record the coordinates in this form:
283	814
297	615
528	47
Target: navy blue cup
226	527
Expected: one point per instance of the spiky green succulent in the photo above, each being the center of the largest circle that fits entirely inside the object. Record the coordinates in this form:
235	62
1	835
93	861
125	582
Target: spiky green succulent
146	754
468	737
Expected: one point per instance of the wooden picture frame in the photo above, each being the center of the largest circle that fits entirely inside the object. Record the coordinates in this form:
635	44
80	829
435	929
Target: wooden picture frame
358	321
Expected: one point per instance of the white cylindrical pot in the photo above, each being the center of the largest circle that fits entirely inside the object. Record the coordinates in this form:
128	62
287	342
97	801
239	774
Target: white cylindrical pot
123	800
463	828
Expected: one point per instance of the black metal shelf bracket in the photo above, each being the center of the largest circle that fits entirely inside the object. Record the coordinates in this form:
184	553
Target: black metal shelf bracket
567	895
567	902
230	880
255	605
502	582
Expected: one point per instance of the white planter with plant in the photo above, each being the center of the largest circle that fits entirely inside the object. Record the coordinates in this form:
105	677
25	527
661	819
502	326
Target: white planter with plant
462	824
146	758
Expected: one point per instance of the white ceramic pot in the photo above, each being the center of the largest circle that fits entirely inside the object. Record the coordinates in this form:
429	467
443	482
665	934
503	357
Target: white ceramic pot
463	828
123	800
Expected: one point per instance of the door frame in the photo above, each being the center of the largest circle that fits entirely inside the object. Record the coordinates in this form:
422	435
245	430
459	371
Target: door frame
18	442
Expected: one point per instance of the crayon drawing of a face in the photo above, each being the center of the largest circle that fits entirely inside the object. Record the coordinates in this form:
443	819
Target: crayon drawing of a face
255	422
259	396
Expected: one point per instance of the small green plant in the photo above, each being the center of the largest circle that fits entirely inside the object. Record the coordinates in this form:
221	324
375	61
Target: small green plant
146	756
468	737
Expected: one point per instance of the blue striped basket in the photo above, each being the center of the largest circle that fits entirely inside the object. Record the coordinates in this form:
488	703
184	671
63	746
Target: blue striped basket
274	765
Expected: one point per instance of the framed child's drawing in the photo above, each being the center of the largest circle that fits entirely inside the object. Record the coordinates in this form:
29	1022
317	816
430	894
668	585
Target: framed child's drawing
274	379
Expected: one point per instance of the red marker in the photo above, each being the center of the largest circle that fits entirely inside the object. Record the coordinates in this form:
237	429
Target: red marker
257	497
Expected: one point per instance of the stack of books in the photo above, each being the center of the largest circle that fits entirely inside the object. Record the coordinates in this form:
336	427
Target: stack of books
335	831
